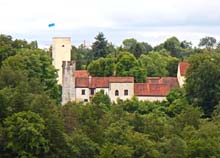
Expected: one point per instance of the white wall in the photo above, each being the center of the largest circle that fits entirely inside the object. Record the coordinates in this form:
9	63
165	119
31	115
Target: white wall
181	79
121	87
80	97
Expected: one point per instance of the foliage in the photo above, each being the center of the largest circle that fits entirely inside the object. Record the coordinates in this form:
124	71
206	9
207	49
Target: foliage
99	47
102	67
202	81
135	47
156	64
128	65
207	42
24	135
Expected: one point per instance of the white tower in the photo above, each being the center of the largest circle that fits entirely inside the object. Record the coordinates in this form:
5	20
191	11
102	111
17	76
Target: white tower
61	51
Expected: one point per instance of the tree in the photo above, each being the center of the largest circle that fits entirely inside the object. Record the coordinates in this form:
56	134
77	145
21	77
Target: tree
101	98
202	81
102	67
207	42
35	67
99	47
156	64
25	135
137	48
186	45
173	45
128	65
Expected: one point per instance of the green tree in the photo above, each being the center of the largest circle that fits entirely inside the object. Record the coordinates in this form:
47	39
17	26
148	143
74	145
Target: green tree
156	64
128	65
35	67
137	48
202	81
101	98
207	42
99	47
25	135
173	45
102	67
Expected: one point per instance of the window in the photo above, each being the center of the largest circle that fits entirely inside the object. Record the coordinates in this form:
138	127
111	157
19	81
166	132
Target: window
116	93
85	100
92	91
63	45
126	92
83	91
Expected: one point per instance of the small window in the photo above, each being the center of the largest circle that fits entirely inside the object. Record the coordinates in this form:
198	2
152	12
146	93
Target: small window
92	91
116	93
126	92
85	100
63	45
83	92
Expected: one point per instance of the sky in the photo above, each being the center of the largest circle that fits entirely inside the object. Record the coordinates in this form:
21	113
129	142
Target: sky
151	21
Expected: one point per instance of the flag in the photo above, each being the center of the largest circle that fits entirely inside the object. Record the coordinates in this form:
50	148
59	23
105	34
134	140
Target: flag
51	25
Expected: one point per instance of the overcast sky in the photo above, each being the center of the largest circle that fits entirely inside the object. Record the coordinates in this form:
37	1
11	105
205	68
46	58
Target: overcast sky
151	21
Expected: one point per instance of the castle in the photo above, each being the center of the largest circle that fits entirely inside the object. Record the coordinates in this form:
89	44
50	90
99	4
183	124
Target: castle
78	85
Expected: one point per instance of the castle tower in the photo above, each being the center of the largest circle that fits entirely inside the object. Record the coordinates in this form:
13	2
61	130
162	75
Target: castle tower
61	51
68	84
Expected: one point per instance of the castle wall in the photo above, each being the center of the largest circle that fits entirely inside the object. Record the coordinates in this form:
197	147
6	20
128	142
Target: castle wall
68	81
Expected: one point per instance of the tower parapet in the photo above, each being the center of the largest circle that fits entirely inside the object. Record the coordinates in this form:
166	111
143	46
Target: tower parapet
68	81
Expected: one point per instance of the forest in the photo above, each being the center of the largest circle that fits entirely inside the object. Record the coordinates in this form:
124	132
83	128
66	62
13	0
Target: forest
34	124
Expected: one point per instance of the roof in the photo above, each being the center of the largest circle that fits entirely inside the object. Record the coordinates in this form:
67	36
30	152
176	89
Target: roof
99	82
172	81
103	82
81	82
183	68
81	73
146	89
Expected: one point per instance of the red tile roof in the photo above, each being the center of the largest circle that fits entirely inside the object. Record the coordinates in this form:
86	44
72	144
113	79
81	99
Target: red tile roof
121	79
183	68
81	82
145	89
99	82
103	82
172	81
81	73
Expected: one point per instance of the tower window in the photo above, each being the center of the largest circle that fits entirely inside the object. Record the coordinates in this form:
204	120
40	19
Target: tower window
116	93
63	45
83	91
125	92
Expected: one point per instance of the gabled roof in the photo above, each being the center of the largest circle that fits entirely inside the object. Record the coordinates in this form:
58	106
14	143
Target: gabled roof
81	73
183	66
146	89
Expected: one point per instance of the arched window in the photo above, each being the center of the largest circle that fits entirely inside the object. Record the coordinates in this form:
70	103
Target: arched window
116	93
